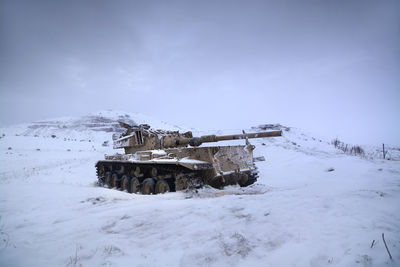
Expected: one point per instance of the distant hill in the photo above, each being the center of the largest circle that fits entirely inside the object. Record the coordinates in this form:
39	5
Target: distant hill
101	124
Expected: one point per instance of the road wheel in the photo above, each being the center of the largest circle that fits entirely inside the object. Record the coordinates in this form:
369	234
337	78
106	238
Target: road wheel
181	182
162	187
244	178
108	179
137	172
251	179
153	172
114	181
125	183
148	186
134	185
101	181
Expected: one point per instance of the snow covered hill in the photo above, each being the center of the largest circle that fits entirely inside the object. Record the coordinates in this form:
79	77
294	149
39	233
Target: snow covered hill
94	126
313	205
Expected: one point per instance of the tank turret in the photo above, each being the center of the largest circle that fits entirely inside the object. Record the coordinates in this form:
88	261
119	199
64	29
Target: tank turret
158	161
139	138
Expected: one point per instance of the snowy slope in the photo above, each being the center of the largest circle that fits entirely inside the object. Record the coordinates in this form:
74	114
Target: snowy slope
95	126
313	205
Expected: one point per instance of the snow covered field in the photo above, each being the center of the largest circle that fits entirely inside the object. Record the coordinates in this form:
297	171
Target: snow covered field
312	206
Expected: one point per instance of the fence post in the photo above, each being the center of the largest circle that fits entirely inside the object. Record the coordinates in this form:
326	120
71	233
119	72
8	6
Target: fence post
384	154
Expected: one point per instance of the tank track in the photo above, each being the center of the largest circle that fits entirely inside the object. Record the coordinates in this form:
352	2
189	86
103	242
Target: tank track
242	179
146	178
159	178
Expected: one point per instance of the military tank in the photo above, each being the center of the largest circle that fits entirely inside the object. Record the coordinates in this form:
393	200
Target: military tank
158	161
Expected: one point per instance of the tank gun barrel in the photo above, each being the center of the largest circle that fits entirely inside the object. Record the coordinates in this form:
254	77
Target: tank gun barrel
248	135
197	141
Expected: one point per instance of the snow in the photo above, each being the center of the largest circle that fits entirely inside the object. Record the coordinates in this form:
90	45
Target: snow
313	205
158	152
191	161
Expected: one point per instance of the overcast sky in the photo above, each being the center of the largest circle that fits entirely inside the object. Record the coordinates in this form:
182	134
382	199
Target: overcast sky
329	67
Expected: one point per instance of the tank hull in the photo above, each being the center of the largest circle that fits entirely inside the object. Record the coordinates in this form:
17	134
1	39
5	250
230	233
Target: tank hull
157	171
158	161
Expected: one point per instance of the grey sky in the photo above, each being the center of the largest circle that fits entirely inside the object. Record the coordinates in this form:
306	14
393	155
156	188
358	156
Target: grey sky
330	67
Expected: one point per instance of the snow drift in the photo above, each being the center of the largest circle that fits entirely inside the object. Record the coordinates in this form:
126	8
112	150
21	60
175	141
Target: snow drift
313	205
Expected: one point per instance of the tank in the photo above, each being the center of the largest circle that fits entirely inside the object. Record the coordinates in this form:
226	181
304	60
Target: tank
158	161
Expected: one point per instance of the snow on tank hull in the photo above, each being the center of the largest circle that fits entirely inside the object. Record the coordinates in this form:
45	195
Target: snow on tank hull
159	171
